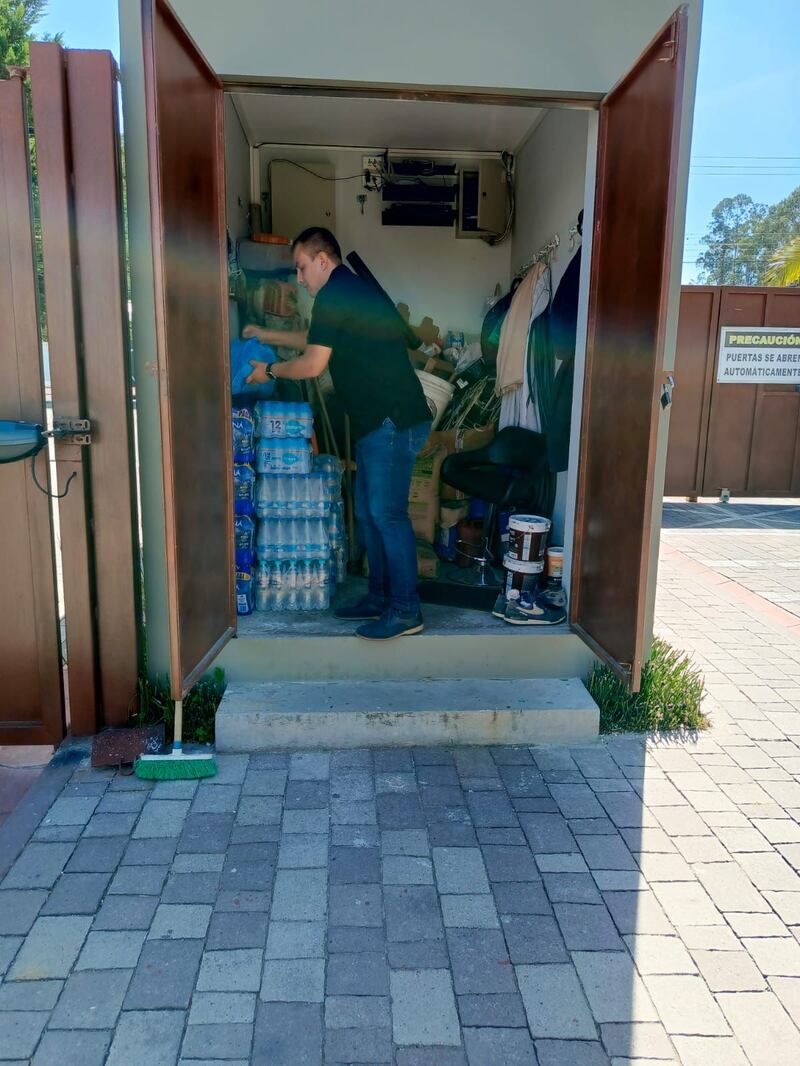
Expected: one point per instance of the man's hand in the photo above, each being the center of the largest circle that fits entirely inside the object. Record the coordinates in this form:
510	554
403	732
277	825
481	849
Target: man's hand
253	331
259	375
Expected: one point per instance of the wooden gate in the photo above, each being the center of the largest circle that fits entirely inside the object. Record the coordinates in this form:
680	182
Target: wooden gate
744	438
76	135
31	693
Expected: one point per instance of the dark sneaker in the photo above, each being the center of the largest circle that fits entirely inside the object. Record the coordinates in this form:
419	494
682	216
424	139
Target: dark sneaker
538	611
367	607
391	625
500	605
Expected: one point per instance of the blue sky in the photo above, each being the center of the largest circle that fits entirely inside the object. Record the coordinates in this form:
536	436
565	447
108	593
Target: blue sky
747	122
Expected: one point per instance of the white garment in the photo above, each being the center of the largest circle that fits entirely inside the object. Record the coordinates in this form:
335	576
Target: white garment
530	299
517	409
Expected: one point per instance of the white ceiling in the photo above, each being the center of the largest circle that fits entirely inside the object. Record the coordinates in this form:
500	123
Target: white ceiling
395	124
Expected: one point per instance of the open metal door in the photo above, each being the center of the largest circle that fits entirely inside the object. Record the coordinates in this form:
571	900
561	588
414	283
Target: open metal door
630	277
186	155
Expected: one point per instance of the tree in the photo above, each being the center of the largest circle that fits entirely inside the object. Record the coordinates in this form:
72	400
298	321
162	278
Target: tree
784	267
743	237
732	254
17	19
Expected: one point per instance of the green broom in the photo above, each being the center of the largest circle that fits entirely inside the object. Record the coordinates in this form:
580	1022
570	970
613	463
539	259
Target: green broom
176	766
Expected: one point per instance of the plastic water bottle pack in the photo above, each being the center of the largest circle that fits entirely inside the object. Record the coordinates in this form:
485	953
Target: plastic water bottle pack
336	527
331	467
244	435
244	540
244	489
293	585
292	539
283	455
292	496
339	564
278	419
245	591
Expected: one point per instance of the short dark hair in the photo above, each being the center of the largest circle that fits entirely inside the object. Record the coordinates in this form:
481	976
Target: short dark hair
318	239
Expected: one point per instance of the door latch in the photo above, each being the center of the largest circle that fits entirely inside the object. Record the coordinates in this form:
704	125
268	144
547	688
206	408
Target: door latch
72	430
666	391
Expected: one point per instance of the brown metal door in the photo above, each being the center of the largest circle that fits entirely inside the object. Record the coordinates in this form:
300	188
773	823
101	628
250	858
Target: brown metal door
631	259
694	375
187	199
754	430
31	692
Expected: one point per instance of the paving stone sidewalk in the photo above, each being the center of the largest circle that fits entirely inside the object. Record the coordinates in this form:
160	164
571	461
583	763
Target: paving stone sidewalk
631	902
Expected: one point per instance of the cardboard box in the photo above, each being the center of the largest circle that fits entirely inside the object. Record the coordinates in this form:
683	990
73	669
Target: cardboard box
423	496
450	514
459	440
427	562
453	440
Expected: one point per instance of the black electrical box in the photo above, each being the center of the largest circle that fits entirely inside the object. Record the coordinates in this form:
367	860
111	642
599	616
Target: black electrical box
398	214
419	193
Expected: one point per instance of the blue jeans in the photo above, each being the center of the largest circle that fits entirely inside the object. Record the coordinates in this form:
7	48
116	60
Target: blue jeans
385	460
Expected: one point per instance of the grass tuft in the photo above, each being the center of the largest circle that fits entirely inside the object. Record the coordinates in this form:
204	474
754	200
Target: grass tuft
670	696
199	708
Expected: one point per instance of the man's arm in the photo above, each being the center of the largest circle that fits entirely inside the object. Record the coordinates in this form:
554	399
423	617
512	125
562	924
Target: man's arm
310	365
278	338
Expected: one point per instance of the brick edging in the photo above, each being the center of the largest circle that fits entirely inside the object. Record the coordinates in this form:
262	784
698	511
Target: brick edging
733	590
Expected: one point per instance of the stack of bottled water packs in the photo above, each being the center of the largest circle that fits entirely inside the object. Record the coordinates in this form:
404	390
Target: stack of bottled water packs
294	535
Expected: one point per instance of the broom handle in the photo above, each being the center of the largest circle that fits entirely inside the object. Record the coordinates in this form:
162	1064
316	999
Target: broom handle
177	743
326	420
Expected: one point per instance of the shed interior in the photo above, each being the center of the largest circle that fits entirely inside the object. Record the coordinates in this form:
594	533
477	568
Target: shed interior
408	184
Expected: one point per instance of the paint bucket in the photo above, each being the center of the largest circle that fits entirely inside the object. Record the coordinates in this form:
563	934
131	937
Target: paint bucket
555	564
438	393
522	577
527	536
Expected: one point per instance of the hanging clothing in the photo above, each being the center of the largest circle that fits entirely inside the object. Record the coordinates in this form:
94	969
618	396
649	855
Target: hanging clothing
523	405
563	328
530	299
518	409
492	326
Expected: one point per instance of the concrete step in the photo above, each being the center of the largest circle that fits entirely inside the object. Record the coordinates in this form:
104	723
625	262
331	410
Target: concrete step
310	714
491	651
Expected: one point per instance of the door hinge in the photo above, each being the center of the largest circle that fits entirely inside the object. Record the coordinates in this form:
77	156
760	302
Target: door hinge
72	430
670	46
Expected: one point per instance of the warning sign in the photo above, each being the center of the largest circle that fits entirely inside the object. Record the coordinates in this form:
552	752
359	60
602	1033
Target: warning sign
759	356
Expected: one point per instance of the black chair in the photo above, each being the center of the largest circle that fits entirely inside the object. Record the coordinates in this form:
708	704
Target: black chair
509	473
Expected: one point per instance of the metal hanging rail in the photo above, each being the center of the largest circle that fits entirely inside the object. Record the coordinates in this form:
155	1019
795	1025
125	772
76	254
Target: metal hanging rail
544	253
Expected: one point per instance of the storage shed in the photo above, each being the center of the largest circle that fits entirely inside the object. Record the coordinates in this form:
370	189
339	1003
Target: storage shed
593	100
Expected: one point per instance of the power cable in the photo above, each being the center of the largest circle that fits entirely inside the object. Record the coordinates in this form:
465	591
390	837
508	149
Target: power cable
308	170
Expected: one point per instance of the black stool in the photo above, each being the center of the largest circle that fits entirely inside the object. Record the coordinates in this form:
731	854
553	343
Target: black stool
509	472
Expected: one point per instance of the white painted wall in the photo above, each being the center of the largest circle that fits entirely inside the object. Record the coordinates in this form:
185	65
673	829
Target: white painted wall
237	173
427	268
550	183
550	173
569	46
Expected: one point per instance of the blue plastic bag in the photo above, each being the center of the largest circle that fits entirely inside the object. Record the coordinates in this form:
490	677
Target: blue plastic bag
241	354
